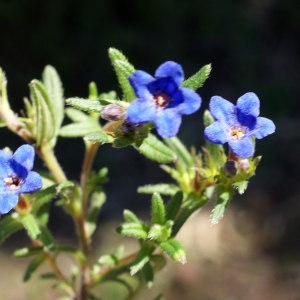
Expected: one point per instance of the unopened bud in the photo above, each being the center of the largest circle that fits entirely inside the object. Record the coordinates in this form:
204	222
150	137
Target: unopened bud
230	168
112	112
244	164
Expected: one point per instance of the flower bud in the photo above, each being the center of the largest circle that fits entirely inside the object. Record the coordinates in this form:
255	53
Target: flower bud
112	112
244	164
230	168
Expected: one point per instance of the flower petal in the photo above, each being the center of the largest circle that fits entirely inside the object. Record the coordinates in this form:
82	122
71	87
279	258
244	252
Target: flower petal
170	69
223	110
248	104
215	133
243	148
7	202
5	168
263	127
140	111
139	81
167	123
192	102
24	156
163	85
31	184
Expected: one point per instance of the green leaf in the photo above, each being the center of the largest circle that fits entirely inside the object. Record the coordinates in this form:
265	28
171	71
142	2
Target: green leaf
123	70
93	90
156	150
47	239
42	197
122	141
29	251
107	260
137	230
75	130
159	233
54	88
157	209
76	115
76	253
85	104
180	150
148	274
45	119
174	206
33	265
197	80
142	258
163	188
130	217
208	119
9	225
174	249
224	194
241	186
31	226
96	202
99	137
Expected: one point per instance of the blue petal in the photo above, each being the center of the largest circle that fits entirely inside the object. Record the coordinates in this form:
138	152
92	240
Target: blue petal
18	169
32	183
5	169
7	202
140	111
163	85
139	81
223	110
246	120
167	123
248	104
243	148
263	128
192	102
24	156
170	69
215	133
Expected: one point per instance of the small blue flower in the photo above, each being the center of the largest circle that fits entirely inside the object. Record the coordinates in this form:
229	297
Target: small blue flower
16	177
236	125
161	100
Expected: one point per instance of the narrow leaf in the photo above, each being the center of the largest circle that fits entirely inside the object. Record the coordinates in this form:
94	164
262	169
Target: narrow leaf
163	189
156	150
76	115
173	206
47	239
78	129
99	137
42	197
142	258
33	265
174	249
130	217
137	230
85	104
76	253
241	186
8	226
157	209
197	80
148	274
31	226
29	251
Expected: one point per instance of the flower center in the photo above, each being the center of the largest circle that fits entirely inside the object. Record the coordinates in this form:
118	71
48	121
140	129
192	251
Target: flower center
237	132
161	100
13	182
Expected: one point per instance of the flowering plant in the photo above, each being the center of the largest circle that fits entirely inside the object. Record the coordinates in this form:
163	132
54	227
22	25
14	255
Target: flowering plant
147	103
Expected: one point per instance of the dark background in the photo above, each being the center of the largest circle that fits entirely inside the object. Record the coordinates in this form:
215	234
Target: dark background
253	46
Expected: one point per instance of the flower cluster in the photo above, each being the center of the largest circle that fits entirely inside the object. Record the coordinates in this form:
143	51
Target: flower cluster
161	100
236	125
16	176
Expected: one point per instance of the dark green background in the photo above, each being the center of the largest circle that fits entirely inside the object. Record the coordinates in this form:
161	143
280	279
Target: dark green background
252	45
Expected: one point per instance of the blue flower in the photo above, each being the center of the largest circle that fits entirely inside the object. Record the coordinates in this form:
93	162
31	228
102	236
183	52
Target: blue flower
16	176
236	125
161	100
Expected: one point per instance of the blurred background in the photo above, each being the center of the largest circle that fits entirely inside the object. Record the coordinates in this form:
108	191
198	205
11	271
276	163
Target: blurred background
253	45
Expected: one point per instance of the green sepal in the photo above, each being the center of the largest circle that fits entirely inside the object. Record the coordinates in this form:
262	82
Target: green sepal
197	80
130	217
174	249
30	224
163	189
54	89
96	202
241	186
33	265
75	130
208	119
44	115
157	209
142	258
9	225
85	104
29	251
99	137
224	194
156	150
174	206
148	274
122	141
137	230
123	70
180	150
